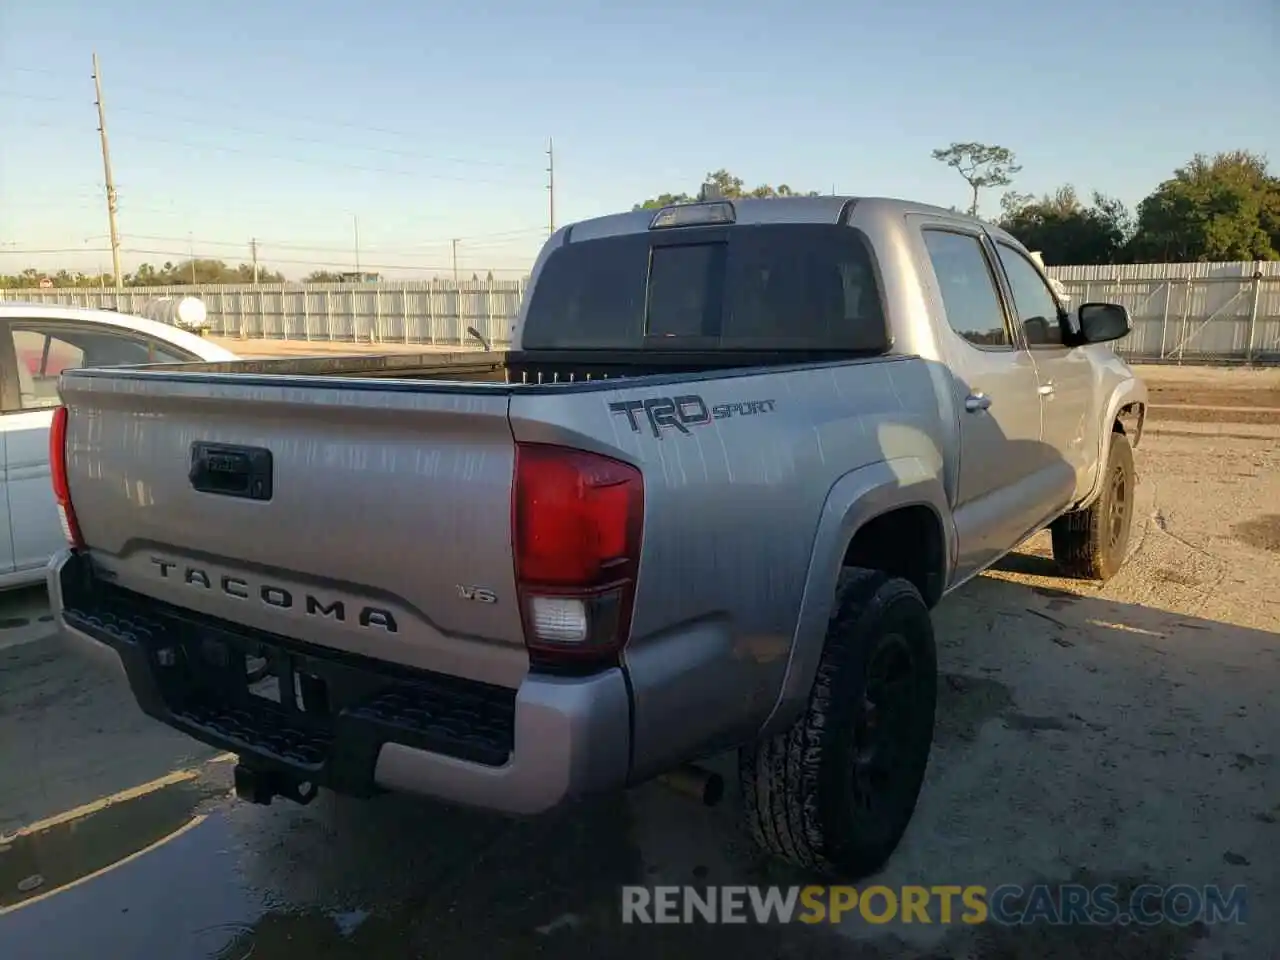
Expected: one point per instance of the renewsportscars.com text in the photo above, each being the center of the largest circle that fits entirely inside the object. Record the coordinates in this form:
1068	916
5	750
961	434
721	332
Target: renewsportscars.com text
1009	904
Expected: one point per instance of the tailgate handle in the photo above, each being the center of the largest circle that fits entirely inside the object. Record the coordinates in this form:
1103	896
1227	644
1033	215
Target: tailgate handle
231	471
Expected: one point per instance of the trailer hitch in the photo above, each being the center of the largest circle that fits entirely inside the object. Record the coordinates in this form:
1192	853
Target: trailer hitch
256	785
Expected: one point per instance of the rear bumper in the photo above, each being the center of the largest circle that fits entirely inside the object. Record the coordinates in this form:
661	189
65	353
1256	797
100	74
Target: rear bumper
367	725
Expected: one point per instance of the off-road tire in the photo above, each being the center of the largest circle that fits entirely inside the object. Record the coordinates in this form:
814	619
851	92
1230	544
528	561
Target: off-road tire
801	800
1092	544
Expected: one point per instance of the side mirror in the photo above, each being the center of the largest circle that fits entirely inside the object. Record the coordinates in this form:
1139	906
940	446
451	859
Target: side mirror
1103	322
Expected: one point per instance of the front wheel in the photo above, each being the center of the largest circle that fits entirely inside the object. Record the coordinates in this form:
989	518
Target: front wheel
835	792
1092	544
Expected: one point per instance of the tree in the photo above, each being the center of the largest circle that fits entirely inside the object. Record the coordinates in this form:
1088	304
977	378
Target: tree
145	276
981	165
729	186
322	276
208	271
663	200
31	277
1225	207
1064	230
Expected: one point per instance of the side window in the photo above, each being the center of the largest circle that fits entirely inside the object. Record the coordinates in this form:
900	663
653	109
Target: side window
41	358
163	353
1038	310
43	353
968	289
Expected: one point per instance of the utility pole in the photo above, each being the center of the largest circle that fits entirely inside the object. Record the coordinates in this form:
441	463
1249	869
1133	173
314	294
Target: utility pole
455	261
355	222
106	168
551	186
253	252
191	249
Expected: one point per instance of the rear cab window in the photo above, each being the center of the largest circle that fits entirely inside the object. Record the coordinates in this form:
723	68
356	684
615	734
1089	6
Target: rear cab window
777	287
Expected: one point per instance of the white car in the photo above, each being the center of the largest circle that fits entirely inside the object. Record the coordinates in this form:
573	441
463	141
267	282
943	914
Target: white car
37	342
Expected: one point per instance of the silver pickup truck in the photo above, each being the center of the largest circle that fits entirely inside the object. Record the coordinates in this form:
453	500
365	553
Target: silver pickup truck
736	453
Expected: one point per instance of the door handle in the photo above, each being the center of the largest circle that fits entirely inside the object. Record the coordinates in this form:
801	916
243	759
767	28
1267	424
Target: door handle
976	402
1046	389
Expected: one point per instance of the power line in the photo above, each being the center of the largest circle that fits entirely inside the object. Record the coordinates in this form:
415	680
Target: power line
188	247
361	168
475	240
188	98
310	162
318	141
297	210
336	264
51	251
315	141
344	264
36	71
301	216
190	242
288	261
523	237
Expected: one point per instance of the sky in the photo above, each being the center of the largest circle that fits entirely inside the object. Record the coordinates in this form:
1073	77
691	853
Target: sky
329	131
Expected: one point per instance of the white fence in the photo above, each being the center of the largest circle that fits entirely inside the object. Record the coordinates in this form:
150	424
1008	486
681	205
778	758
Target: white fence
430	312
1189	311
1194	311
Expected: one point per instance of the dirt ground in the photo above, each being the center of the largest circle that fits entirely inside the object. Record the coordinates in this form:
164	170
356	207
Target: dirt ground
1174	389
1123	734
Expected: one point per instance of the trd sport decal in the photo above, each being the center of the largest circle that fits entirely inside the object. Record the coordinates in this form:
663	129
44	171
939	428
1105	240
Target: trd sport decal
681	413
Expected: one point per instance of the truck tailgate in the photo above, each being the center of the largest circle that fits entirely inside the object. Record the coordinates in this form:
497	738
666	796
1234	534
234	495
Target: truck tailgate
386	528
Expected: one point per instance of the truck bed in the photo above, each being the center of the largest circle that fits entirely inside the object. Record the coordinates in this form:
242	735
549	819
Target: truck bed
496	367
377	487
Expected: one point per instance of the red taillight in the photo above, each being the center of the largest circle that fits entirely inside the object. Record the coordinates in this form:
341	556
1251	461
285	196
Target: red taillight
577	519
58	473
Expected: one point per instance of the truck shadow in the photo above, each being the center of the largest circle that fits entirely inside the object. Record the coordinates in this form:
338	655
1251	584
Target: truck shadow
1077	738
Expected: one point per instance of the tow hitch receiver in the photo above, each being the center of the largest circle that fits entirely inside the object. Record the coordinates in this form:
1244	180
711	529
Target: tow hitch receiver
261	786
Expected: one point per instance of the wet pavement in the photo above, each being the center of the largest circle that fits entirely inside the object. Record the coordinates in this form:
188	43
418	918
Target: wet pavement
1121	735
175	866
184	871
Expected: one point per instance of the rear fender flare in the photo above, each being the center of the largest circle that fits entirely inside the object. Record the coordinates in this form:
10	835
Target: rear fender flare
856	498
